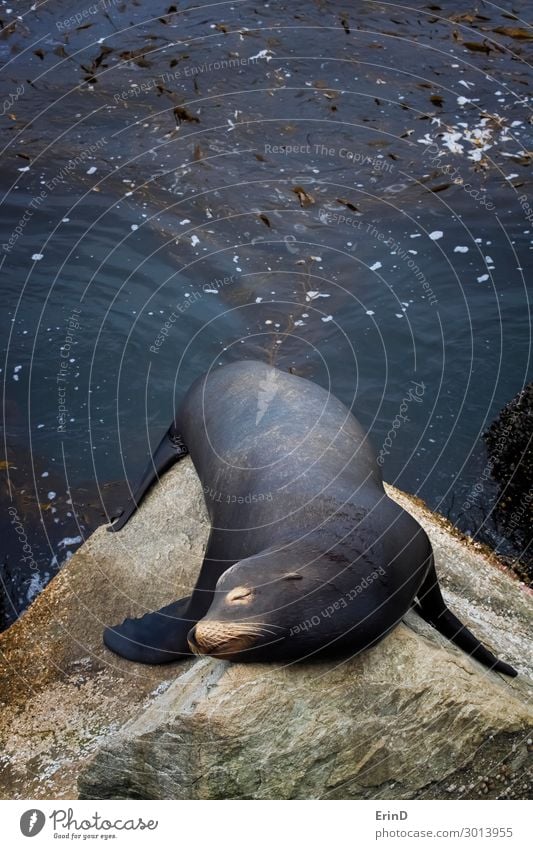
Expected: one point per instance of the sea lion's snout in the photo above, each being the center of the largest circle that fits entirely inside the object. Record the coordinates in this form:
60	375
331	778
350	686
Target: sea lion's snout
221	639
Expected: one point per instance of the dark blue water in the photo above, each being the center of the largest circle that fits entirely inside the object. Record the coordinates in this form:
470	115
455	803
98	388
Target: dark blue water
340	192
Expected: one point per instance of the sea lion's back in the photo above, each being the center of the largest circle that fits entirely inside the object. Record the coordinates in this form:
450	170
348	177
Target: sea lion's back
251	415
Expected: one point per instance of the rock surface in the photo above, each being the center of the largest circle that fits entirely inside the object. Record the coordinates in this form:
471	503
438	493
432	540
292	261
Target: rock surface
62	693
509	442
412	718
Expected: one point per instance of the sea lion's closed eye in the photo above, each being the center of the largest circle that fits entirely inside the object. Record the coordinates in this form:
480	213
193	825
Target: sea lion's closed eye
238	594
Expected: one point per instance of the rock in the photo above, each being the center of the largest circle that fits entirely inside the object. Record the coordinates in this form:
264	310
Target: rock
509	441
412	718
62	692
402	721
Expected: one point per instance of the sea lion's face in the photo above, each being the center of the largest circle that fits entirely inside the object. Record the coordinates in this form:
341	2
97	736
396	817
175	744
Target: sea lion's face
267	610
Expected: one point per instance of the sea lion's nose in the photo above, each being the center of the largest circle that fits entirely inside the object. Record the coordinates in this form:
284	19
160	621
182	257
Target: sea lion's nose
206	637
191	639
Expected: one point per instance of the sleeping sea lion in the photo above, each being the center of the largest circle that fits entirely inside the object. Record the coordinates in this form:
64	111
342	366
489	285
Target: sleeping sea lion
307	555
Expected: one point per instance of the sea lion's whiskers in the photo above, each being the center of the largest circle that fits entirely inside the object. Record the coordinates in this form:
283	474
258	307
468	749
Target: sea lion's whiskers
259	631
243	627
251	629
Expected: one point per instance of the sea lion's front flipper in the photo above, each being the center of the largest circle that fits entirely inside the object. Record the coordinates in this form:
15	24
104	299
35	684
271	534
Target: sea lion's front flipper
171	449
159	637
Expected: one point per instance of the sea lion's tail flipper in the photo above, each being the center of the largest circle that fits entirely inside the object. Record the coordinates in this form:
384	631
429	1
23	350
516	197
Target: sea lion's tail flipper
432	607
169	451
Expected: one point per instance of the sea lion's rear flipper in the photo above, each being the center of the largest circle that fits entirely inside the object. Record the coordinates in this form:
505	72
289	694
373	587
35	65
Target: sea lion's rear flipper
169	451
432	607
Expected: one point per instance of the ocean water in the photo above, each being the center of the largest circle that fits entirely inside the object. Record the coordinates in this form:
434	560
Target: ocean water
344	194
